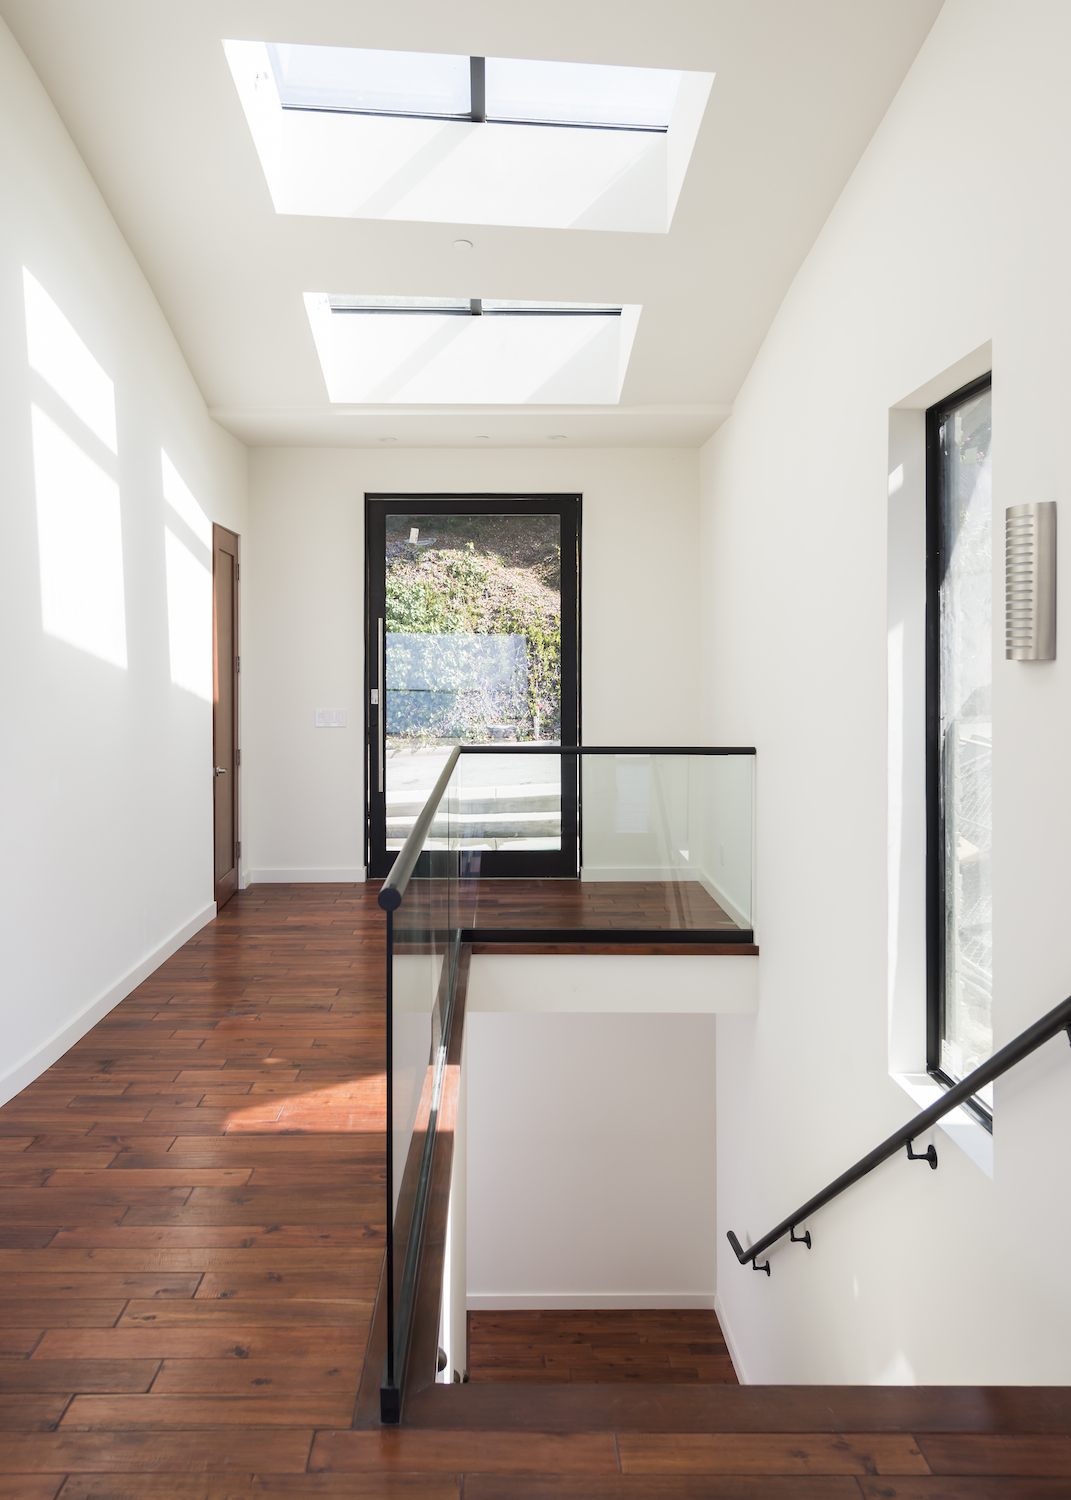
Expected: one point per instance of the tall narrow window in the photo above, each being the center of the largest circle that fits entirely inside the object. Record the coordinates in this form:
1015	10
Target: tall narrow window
960	735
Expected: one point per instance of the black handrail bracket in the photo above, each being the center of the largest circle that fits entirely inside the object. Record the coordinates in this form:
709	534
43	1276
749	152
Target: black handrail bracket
1056	1020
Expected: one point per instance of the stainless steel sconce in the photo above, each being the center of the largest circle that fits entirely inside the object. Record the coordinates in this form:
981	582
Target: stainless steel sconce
1030	581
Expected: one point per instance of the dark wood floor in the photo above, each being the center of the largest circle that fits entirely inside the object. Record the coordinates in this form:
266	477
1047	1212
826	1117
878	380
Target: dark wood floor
647	905
191	1235
672	1347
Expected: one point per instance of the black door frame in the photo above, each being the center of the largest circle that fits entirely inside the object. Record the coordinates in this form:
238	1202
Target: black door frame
528	863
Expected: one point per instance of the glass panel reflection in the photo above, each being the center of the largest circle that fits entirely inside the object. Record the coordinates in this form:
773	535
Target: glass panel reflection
966	728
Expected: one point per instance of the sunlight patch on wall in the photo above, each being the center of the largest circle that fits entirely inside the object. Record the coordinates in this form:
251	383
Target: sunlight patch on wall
435	357
189	586
371	159
80	540
61	359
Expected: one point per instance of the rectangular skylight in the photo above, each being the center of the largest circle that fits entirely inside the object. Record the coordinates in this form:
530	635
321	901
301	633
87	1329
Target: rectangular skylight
557	93
446	350
356	78
345	132
446	86
473	307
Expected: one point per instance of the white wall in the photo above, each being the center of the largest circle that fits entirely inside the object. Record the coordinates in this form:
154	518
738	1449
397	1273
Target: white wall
590	1160
106	762
304	620
954	229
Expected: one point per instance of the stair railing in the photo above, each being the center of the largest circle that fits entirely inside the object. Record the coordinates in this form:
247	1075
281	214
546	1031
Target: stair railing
1057	1020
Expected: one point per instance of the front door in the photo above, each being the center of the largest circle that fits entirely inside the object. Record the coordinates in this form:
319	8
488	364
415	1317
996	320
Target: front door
473	639
225	752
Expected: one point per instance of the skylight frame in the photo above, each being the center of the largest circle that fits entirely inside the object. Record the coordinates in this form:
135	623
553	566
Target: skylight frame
455	357
330	163
476	113
473	307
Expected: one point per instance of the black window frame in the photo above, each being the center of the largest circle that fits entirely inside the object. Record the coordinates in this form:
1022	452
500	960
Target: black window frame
568	505
935	842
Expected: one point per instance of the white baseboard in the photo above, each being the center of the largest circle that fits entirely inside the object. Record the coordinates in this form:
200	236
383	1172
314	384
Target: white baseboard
730	1343
712	888
580	1301
343	875
23	1073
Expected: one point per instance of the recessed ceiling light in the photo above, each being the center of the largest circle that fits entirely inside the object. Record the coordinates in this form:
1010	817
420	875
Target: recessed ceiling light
462	244
388	440
556	437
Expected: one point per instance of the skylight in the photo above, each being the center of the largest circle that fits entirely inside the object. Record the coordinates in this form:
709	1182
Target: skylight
472	307
358	79
454	351
443	86
351	133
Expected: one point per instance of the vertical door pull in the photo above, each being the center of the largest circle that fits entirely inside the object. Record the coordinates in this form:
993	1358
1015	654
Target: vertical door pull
382	735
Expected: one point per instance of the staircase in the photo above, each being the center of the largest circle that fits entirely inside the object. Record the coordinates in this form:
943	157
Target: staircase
491	817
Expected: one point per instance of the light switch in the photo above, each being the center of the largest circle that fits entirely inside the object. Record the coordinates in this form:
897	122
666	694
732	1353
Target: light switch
330	718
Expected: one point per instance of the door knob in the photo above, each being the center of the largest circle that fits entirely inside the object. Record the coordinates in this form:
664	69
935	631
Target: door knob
221	770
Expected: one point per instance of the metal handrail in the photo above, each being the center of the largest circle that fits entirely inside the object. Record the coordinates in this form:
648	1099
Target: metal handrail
1058	1019
394	887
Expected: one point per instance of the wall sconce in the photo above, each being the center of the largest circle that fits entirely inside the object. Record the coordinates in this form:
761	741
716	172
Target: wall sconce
1030	581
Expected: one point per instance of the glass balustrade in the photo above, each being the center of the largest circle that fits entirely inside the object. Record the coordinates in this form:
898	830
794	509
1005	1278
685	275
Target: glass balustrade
663	854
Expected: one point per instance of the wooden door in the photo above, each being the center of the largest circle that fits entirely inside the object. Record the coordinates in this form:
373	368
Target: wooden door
225	752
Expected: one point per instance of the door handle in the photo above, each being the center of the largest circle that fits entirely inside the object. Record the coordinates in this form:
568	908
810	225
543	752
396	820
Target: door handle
382	718
220	770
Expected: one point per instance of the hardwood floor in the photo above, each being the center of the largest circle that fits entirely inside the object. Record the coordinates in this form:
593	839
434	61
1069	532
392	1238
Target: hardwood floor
647	905
598	1347
191	1236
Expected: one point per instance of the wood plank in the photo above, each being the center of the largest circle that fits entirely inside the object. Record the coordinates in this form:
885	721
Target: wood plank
177	1173
25	1236
261	1487
261	1377
29	1412
29	1486
61	1312
18	1343
195	1413
67	1451
754	1409
1021	1454
99	1197
663	1346
250	1262
77	1375
493	1452
225	1236
43	1284
945	1488
662	1487
769	1453
315	1285
251	1313
332	1345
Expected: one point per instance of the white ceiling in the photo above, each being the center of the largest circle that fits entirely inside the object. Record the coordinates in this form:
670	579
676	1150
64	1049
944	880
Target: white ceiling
144	89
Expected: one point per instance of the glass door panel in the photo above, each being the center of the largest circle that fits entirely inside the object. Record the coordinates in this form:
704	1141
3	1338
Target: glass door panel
473	635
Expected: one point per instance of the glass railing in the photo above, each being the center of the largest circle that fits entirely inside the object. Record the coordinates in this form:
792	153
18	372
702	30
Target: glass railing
663	853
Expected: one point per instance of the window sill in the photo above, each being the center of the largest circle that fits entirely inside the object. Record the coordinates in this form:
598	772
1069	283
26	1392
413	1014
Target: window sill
960	1126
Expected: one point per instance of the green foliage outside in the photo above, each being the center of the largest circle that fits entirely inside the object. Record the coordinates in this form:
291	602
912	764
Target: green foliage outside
506	583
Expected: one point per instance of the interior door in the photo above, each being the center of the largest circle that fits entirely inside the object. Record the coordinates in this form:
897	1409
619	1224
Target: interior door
473	638
225	752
